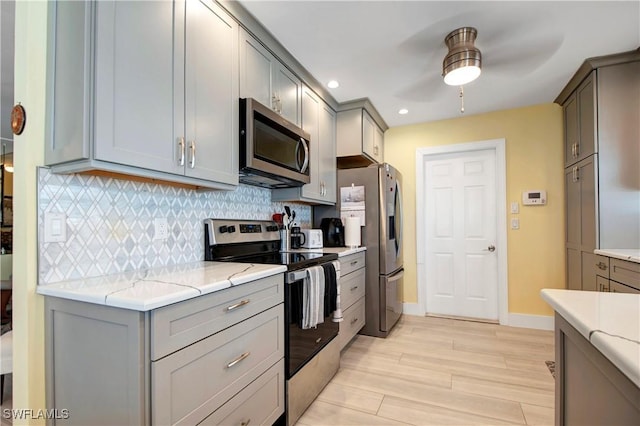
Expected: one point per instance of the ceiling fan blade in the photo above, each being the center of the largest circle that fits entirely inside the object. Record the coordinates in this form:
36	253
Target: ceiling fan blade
521	58
426	89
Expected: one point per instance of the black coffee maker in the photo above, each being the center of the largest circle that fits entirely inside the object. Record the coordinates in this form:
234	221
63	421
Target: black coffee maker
332	232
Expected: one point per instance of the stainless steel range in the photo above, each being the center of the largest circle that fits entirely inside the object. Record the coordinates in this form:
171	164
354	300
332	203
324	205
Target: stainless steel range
312	355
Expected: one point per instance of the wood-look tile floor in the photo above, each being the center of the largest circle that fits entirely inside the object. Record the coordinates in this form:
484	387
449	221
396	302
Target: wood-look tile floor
437	371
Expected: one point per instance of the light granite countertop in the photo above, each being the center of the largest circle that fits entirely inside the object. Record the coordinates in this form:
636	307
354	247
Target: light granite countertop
632	255
153	288
610	321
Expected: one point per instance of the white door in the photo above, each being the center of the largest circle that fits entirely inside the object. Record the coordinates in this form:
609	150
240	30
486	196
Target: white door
460	247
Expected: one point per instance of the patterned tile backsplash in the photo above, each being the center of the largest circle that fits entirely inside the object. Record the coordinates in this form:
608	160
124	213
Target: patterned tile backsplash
109	222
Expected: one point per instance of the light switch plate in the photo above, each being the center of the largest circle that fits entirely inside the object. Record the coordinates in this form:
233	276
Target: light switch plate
515	207
55	227
515	223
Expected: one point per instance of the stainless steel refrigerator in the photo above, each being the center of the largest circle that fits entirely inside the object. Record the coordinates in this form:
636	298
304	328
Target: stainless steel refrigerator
382	235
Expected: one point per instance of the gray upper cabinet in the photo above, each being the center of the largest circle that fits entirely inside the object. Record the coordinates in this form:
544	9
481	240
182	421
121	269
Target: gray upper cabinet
158	100
319	120
264	78
602	134
581	122
360	140
7	29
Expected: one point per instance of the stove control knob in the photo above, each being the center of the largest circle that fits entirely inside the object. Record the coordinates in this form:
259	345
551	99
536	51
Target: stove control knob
223	229
231	229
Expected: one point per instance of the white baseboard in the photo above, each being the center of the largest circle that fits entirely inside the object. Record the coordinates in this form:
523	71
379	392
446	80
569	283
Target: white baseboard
540	322
412	309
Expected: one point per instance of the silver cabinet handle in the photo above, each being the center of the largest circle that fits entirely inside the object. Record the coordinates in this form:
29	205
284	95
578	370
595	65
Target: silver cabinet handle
245	423
354	262
237	360
306	156
237	305
353	321
319	339
602	265
354	288
576	175
577	149
192	147
181	151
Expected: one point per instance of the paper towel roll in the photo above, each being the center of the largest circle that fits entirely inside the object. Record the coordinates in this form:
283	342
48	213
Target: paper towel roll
352	232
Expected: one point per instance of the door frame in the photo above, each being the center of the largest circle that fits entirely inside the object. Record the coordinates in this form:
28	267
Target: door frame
425	153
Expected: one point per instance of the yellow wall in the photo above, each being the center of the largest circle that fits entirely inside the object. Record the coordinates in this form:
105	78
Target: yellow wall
534	155
28	307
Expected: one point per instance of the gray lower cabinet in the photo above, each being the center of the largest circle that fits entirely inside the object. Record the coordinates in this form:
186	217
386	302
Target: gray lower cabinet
211	359
158	100
590	390
617	275
352	296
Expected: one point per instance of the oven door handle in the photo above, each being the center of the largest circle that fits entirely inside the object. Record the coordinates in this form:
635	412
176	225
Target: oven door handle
296	276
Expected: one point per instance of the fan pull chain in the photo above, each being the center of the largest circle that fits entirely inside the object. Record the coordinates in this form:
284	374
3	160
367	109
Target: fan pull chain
461	100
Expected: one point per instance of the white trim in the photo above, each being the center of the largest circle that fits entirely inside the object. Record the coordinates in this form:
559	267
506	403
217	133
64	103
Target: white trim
540	322
498	145
412	309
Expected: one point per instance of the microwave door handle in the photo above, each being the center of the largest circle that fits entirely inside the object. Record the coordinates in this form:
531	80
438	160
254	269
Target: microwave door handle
306	156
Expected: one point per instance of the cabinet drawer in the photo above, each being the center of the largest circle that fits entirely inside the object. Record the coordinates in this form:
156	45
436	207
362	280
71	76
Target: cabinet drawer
192	383
601	266
353	321
175	326
260	403
627	273
352	288
615	287
351	263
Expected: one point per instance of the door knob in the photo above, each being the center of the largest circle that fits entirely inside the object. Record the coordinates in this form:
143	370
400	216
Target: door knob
490	248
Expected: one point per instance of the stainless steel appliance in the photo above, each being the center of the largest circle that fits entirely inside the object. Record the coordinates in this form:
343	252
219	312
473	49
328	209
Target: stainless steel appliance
312	356
382	235
274	153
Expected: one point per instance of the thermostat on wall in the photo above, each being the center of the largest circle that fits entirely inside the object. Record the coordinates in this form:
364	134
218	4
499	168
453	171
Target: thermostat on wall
534	198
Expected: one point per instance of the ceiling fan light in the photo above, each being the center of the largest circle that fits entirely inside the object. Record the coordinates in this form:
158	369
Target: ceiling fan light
463	62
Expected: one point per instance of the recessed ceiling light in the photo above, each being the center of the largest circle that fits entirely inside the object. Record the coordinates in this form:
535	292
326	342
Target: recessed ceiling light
333	84
403	111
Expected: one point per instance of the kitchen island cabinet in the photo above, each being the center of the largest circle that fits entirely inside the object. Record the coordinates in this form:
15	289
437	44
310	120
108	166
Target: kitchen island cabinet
181	345
597	352
158	100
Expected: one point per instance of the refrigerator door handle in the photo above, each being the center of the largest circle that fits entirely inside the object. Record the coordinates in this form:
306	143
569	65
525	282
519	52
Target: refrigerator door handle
397	276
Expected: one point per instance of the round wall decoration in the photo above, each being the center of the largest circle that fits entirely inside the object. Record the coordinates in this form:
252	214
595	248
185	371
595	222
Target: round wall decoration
18	119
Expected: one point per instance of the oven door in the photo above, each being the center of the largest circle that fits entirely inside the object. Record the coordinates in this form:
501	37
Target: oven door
301	345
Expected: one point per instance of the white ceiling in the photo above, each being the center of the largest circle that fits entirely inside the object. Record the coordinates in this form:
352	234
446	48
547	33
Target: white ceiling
392	51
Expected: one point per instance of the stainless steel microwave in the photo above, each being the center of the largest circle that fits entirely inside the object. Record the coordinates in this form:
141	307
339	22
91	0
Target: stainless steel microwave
274	152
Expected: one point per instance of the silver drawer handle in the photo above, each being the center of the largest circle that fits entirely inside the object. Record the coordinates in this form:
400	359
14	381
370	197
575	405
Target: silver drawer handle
355	262
354	288
245	423
237	360
319	339
601	265
353	321
237	305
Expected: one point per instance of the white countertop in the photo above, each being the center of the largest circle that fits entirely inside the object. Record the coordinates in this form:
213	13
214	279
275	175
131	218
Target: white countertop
153	288
610	321
632	255
341	251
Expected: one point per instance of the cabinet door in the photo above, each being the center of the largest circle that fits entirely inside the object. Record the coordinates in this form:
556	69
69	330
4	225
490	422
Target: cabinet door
616	287
211	101
368	135
137	80
586	97
327	154
310	112
574	269
378	144
572	206
287	89
588	206
255	70
570	109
